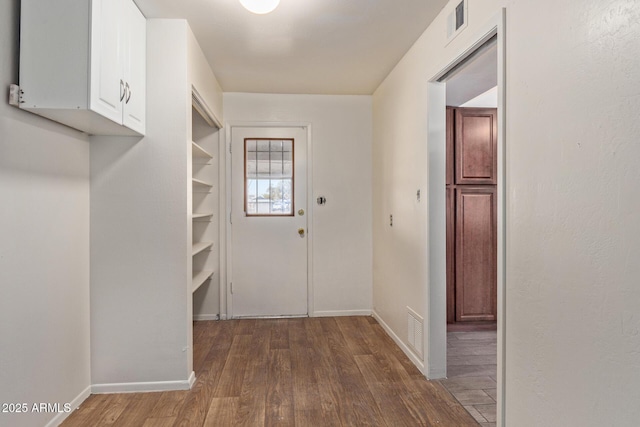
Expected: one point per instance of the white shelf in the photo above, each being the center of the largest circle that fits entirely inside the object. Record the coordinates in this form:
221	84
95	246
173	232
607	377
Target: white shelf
203	209
201	215
198	151
200	246
202	183
200	278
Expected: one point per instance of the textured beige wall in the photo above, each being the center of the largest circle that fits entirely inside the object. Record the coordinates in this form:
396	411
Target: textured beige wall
573	237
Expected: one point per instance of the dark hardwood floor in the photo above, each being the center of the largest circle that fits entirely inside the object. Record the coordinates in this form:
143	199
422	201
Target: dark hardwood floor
290	372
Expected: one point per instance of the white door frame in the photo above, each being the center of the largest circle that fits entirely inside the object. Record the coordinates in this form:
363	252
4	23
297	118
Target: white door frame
226	272
436	343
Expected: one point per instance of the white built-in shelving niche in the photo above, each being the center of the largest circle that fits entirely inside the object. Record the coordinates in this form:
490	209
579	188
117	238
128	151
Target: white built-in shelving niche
204	210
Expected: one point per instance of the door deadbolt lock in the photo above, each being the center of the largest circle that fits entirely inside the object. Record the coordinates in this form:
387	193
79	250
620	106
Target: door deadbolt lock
301	232
301	212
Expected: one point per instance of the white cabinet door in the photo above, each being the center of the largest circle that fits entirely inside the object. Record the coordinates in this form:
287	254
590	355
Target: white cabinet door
135	68
107	83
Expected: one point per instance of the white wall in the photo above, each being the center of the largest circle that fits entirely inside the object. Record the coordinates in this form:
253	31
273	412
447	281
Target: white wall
400	275
140	310
141	300
573	237
488	99
44	251
341	144
202	78
572	324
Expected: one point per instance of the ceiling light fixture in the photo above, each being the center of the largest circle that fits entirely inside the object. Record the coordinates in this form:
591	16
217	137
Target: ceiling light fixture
260	7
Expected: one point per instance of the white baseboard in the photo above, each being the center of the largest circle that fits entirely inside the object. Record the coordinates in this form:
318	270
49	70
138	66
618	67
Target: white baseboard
410	354
341	313
201	317
144	387
59	418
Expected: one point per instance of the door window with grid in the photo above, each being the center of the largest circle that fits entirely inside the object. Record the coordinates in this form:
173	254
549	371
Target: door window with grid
268	177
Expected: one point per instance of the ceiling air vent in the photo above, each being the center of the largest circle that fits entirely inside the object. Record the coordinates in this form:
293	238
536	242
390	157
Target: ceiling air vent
457	20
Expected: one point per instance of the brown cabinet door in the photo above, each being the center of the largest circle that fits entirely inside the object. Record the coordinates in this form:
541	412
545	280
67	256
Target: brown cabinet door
451	256
476	253
449	150
476	146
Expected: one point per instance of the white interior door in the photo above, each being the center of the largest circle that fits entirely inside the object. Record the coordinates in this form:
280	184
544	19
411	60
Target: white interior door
269	221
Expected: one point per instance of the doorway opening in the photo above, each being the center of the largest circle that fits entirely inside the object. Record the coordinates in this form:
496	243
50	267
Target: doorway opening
474	80
471	189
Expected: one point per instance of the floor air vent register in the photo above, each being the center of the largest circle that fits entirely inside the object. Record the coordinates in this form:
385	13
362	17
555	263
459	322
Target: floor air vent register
414	331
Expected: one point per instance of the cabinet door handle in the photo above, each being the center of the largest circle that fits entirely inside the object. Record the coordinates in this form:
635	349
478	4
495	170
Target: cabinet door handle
122	90
128	90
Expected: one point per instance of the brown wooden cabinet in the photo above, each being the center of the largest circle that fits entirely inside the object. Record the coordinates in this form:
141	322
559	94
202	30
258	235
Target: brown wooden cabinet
475	258
450	136
451	255
476	146
471	214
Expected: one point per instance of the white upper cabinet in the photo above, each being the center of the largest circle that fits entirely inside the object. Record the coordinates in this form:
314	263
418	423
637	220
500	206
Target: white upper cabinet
107	62
135	69
83	63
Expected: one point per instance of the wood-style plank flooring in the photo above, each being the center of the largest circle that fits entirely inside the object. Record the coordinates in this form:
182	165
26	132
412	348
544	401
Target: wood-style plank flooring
288	372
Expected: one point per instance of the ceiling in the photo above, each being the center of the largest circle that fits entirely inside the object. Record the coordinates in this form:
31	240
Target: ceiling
304	46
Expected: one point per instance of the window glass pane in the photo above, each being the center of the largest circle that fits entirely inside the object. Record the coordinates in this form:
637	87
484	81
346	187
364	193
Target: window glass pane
276	165
287	196
287	164
251	164
276	196
263	145
276	145
263	200
269	177
252	194
264	167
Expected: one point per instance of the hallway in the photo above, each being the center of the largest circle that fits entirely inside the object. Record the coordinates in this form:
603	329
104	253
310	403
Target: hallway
343	371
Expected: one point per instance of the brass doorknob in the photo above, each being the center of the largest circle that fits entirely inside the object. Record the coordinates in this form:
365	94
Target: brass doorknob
301	231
